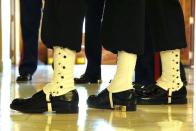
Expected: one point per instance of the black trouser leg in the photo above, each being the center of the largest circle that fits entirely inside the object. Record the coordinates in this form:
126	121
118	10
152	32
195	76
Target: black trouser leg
183	74
144	70
93	46
30	21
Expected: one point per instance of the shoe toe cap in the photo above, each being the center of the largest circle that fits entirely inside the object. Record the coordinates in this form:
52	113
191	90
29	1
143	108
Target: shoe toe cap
16	103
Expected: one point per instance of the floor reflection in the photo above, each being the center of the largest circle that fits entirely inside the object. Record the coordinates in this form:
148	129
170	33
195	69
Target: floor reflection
146	118
98	120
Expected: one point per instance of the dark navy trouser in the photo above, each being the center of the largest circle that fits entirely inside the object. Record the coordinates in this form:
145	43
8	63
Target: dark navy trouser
30	21
93	45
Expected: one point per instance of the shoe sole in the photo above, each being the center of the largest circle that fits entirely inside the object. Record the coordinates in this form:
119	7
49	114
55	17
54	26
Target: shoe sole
28	81
71	110
58	110
122	108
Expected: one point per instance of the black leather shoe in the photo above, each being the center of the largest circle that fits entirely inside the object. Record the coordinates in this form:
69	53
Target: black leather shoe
85	79
138	87
155	95
143	90
67	103
24	78
124	101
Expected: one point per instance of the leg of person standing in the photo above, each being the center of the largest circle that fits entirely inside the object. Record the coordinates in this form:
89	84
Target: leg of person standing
123	33
30	21
144	70
93	46
166	23
61	31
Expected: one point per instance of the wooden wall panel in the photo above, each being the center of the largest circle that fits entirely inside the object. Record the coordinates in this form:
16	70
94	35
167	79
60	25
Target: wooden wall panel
187	9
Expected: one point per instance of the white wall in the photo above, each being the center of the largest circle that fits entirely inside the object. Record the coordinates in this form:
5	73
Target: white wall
5	15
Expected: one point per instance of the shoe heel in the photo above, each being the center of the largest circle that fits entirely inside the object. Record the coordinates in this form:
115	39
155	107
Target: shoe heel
125	108
179	101
67	110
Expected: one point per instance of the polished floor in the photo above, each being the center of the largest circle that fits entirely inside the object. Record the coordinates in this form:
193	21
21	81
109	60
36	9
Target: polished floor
146	118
